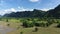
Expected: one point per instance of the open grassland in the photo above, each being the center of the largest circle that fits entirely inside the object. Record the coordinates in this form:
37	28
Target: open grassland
41	30
16	23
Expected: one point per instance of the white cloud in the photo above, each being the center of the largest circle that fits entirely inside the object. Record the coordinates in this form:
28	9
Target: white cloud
45	9
33	0
10	10
2	12
24	9
21	9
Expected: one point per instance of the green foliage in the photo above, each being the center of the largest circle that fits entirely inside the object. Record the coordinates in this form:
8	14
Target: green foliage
58	25
27	24
49	22
37	24
21	32
0	19
6	20
30	22
57	21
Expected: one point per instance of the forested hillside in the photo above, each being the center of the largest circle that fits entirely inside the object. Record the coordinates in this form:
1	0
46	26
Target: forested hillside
55	13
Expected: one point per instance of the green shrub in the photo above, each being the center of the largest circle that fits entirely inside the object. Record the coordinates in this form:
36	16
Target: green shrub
37	24
57	21
58	25
47	24
27	24
40	24
6	20
21	32
0	19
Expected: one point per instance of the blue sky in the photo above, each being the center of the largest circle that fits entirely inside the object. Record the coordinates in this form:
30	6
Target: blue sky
8	6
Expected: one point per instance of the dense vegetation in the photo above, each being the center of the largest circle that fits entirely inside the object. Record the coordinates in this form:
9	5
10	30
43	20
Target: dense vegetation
32	22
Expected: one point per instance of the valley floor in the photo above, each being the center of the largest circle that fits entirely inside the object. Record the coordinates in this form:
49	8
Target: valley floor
16	28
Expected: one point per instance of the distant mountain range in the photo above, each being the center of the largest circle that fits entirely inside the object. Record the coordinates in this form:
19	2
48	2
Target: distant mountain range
55	13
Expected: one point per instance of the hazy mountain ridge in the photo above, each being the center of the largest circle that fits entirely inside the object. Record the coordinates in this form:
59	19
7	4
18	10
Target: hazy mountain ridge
34	13
54	12
37	13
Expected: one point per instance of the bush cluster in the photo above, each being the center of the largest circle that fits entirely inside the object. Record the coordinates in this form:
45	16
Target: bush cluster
26	24
58	25
38	24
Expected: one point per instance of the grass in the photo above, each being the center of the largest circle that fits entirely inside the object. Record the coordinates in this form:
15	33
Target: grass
41	30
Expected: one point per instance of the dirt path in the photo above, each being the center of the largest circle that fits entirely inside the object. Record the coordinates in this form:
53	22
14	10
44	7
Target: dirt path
53	25
5	29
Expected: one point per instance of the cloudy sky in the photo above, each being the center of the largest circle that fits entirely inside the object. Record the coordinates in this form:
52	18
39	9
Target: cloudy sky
7	6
